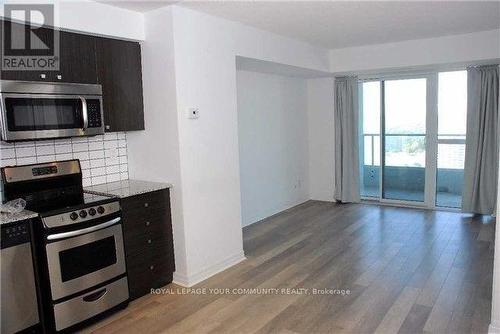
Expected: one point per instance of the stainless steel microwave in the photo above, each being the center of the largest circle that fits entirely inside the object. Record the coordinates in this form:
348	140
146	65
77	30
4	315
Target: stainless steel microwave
35	110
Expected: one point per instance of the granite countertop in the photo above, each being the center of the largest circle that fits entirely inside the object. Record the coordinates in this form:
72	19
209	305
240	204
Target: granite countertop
127	188
10	218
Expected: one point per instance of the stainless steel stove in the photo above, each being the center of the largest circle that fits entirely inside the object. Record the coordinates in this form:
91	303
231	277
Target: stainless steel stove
78	243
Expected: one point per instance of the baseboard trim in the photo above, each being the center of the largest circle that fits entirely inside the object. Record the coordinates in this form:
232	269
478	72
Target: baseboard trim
190	280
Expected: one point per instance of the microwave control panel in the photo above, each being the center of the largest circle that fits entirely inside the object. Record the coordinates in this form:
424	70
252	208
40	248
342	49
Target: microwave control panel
94	113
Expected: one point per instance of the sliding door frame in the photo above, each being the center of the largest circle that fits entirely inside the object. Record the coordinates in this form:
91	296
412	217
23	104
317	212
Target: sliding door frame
431	142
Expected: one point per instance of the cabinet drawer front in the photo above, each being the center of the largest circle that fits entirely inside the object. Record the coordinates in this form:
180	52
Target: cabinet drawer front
147	272
160	257
150	202
139	218
137	225
147	242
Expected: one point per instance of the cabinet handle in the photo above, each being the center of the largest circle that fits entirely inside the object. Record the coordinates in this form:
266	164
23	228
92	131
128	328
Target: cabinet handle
59	77
43	76
151	267
148	223
149	241
146	204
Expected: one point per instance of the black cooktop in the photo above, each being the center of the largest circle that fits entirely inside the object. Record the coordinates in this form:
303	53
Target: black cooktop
49	188
82	201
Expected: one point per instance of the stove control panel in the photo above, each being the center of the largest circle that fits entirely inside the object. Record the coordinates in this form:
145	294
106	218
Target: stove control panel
46	170
81	215
91	212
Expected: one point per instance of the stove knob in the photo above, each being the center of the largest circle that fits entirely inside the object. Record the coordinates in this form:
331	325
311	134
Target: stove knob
100	209
92	212
73	216
83	213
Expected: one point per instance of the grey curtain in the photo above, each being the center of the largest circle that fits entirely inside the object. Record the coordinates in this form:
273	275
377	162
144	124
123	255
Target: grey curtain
346	140
481	149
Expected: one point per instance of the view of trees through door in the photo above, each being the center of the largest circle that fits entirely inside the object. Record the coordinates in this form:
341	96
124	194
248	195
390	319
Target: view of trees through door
412	139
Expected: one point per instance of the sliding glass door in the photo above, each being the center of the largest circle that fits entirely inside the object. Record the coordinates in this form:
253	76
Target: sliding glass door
370	176
452	111
412	139
404	132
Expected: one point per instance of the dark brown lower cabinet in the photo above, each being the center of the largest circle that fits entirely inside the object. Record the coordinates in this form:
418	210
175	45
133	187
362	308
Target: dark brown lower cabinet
149	251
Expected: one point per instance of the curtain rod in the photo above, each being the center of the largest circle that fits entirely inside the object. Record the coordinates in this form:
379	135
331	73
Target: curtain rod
421	70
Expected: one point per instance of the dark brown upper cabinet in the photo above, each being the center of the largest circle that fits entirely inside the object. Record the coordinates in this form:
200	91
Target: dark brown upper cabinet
76	60
120	74
25	75
115	64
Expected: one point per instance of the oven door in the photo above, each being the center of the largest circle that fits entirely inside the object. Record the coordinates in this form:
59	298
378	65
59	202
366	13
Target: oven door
83	261
42	116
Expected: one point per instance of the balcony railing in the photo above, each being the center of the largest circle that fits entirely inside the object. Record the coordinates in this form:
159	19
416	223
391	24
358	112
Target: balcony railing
371	145
405	167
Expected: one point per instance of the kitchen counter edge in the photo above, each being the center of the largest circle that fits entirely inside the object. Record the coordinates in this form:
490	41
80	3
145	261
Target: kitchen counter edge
127	188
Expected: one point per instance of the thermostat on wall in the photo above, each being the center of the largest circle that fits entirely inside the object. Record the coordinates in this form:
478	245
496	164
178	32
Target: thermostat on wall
193	113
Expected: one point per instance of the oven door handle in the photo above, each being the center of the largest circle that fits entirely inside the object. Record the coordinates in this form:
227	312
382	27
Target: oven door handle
63	235
95	296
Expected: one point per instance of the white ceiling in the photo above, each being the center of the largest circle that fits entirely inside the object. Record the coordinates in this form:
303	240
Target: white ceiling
139	6
263	66
337	24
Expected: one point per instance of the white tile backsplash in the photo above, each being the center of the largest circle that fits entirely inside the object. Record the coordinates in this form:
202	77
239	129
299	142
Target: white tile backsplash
110	144
45	158
96	154
45	150
96	145
80	147
8	153
22	152
96	163
64	148
103	158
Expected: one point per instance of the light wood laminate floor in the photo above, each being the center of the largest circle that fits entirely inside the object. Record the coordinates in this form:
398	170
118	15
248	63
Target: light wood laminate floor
407	271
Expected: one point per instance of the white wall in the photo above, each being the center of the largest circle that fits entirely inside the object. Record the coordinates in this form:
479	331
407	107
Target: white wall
320	102
101	19
94	18
273	143
205	47
467	48
154	153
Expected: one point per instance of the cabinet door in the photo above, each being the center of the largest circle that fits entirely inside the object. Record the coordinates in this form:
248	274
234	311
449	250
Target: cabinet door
119	72
25	75
77	59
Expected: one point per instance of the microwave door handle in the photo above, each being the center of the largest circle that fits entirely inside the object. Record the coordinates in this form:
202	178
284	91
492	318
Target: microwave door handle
85	113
